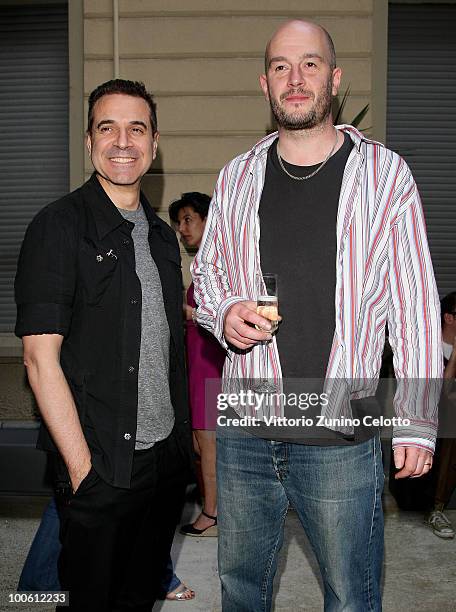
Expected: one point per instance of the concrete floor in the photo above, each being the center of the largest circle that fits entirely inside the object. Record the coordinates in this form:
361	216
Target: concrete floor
419	574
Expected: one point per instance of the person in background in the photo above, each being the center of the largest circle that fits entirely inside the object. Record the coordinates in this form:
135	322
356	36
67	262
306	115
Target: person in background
40	572
205	358
444	477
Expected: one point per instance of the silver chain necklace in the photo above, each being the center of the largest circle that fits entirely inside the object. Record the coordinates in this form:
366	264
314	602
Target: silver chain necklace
305	178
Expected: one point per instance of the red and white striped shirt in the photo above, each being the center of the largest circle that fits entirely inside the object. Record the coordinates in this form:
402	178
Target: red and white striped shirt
383	274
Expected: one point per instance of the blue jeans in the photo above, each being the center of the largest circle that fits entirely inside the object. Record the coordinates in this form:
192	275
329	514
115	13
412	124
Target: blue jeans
170	581
40	568
336	492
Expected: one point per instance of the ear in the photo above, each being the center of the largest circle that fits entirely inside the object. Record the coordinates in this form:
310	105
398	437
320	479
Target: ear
89	143
156	138
337	75
264	86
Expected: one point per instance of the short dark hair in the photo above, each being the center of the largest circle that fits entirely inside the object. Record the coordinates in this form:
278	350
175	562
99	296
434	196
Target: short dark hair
128	88
197	200
448	305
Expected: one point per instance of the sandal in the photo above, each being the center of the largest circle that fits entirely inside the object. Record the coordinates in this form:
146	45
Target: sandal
210	531
180	593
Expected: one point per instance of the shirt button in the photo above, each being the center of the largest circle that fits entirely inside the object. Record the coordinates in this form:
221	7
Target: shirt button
127	436
131	369
125	241
133	301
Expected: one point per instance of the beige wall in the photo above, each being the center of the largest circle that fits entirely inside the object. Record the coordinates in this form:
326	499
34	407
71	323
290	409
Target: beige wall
202	59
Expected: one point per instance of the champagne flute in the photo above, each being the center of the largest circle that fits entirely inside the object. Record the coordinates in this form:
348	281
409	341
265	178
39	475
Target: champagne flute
267	300
268	307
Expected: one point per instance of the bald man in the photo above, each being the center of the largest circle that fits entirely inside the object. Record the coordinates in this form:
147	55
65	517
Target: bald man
338	218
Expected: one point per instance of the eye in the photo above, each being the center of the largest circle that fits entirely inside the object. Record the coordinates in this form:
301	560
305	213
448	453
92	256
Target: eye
280	68
105	129
137	130
311	65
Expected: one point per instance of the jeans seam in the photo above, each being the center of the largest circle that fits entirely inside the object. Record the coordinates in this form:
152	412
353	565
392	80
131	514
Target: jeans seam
368	568
264	586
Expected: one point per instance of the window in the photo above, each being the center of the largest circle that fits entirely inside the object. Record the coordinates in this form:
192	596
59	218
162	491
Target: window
421	118
33	128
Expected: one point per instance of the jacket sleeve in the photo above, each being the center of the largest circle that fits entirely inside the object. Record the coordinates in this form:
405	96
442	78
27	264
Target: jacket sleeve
413	320
211	278
45	281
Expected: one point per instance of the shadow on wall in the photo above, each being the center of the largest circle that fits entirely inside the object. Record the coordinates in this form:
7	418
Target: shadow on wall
155	188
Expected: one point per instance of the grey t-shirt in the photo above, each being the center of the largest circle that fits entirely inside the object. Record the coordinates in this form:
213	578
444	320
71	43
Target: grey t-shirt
155	412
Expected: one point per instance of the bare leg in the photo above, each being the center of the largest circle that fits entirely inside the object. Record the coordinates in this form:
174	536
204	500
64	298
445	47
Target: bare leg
199	475
205	442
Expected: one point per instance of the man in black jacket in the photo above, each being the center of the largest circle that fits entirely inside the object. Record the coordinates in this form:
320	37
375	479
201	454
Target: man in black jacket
98	293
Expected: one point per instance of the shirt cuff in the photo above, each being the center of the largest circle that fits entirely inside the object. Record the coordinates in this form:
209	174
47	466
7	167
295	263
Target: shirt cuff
415	442
34	319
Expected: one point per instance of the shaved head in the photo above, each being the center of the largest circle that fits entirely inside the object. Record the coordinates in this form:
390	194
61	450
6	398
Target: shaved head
301	24
301	77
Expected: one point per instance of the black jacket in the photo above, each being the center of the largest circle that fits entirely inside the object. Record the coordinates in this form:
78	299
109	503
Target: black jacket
76	277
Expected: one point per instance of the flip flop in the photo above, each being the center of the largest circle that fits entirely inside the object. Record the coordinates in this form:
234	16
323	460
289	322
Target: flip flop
181	593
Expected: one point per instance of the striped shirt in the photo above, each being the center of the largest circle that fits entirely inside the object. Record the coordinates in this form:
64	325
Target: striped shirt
383	274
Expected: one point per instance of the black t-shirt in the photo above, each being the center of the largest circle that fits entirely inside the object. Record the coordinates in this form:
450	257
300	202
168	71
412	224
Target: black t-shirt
298	242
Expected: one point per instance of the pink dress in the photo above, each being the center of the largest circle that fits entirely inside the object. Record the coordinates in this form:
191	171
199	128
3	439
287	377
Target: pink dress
205	359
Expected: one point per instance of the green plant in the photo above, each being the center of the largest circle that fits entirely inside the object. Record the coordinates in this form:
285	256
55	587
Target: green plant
359	117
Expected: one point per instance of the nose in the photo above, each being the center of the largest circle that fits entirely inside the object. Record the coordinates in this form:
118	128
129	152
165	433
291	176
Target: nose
296	77
123	138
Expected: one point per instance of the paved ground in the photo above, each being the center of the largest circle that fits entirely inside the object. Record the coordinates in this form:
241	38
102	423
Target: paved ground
420	569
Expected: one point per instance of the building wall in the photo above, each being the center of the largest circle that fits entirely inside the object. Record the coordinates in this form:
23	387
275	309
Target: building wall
201	59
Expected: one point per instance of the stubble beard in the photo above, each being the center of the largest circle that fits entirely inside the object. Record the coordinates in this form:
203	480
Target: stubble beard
308	120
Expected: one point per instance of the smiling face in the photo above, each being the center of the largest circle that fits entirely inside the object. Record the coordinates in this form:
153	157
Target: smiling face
190	226
300	82
121	144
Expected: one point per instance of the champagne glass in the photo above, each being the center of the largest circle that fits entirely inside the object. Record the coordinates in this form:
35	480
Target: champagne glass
267	300
266	286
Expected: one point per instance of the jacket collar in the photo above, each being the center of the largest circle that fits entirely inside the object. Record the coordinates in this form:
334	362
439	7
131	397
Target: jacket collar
105	213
